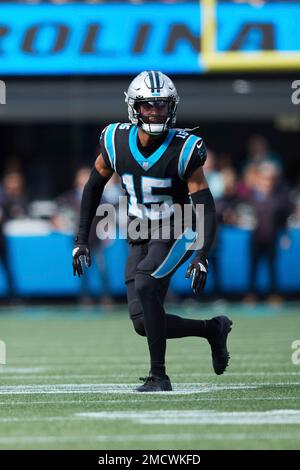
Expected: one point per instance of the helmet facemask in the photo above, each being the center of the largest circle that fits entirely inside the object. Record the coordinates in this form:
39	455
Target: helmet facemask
149	120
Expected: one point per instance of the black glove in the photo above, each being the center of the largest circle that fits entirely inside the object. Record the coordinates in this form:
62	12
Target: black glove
81	251
198	268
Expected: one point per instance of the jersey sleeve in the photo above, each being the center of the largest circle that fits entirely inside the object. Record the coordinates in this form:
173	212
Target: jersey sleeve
107	145
192	156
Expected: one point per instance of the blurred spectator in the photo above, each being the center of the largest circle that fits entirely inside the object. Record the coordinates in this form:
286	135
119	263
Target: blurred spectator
111	194
269	199
294	218
246	185
234	209
4	257
13	205
15	200
225	213
67	219
225	160
214	177
68	203
258	151
227	204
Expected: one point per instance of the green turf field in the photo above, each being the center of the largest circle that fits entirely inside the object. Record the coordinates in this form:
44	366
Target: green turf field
70	373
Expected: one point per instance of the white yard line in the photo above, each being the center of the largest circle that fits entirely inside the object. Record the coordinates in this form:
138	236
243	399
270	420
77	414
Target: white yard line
22	370
176	417
148	438
25	419
250	374
199	437
182	389
112	388
199	417
134	400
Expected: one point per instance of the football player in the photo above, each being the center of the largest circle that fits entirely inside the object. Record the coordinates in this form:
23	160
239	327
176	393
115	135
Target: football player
159	164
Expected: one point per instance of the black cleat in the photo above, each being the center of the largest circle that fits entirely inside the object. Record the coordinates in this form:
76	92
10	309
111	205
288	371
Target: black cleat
219	352
155	384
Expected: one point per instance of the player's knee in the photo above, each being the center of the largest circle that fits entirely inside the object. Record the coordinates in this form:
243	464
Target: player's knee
145	285
139	326
137	317
135	309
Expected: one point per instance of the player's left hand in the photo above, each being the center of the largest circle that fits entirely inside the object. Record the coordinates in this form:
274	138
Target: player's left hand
81	251
198	269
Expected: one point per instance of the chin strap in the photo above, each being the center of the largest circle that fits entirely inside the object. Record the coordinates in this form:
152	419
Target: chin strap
187	129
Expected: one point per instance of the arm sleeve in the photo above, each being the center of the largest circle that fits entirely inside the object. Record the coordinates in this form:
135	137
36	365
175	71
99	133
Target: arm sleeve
204	197
91	198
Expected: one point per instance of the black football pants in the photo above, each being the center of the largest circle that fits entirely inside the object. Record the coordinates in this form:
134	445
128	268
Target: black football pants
148	272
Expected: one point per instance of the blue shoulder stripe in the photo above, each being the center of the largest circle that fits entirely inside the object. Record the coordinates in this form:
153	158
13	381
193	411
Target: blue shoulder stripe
109	142
186	153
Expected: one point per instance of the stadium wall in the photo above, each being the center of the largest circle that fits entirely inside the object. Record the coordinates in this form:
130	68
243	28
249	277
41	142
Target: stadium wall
33	280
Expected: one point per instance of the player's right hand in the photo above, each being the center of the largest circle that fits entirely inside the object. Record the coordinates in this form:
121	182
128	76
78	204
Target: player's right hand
80	252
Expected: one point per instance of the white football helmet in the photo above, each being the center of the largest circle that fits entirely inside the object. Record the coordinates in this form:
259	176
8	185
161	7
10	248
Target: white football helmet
154	88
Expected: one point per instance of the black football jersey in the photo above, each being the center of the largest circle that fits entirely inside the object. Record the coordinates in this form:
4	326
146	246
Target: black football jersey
158	180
